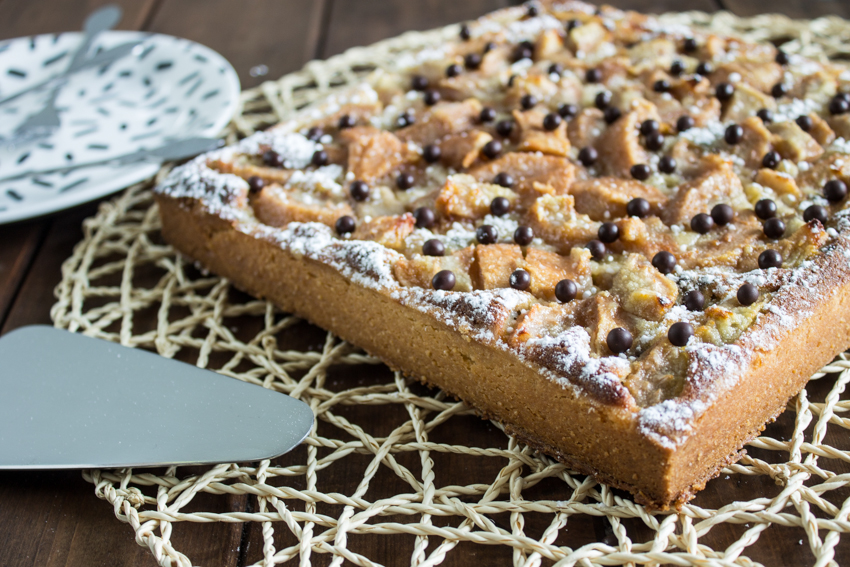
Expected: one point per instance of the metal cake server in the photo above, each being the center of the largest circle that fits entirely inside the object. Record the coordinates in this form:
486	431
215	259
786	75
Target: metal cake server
70	401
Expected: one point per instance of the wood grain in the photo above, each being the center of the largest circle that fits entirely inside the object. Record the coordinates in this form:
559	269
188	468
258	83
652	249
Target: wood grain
791	8
354	22
25	17
282	35
20	241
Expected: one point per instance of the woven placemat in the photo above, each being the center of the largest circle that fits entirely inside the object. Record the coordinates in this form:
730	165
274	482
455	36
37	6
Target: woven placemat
124	284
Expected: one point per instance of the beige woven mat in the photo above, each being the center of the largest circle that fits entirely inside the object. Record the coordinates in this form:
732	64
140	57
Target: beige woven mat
407	475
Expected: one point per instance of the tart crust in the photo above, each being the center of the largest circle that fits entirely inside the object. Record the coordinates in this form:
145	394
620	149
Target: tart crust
587	434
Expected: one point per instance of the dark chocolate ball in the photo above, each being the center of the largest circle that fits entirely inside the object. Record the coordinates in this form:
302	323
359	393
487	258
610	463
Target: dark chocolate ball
619	340
774	228
680	333
608	232
748	294
694	300
638	207
664	262
722	214
770	259
486	234
443	280
588	156
702	223
765	209
597	249
255	184
523	235
520	279
814	212
500	206
835	190
566	291
359	190
433	247
345	224
425	217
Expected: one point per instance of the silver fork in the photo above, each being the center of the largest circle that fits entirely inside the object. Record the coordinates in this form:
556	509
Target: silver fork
44	122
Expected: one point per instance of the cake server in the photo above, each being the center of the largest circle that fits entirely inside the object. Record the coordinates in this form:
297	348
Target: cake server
71	401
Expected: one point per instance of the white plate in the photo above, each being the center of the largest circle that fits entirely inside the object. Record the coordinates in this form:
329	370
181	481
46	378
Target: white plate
168	88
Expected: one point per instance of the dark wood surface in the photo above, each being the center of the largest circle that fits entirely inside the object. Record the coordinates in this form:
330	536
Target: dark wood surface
54	518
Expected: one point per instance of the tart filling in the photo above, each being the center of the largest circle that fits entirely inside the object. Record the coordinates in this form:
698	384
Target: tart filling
611	199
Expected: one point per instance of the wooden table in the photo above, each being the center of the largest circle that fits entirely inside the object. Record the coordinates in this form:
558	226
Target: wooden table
54	518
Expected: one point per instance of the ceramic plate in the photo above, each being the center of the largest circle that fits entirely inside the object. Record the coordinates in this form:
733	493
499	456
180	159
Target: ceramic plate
167	89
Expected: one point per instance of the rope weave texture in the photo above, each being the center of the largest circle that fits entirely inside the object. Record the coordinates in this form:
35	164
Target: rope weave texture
407	475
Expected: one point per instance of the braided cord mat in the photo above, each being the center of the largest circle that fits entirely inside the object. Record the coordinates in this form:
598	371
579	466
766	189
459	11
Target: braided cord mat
410	474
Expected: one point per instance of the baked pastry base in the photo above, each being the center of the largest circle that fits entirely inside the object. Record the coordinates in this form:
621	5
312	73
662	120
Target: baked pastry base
498	385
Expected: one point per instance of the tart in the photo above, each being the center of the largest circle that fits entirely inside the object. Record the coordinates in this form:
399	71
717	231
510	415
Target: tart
627	241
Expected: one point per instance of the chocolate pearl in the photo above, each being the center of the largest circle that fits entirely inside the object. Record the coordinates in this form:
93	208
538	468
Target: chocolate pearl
314	134
680	333
504	128
684	123
654	142
531	10
465	32
443	280
425	217
816	212
724	91
567	110
612	114
638	207
419	83
661	86
489	46
694	301
608	232
492	149
487	114
523	51
748	294
845	96
346	121
504	179
432	153
272	158
705	69
588	156
648	127
770	259
359	190
500	206
255	184
834	190
320	157
774	228
619	340
779	90
664	262
520	279
838	105
555	69
766	115
677	68
603	100
431	97
593	75
406	119
640	171
523	235
782	57
566	291
597	249
345	224
667	164
572	24
733	134
690	45
404	181
486	234
765	209
551	121
453	70
433	247
472	61
722	214
702	223
528	101
805	122
771	160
